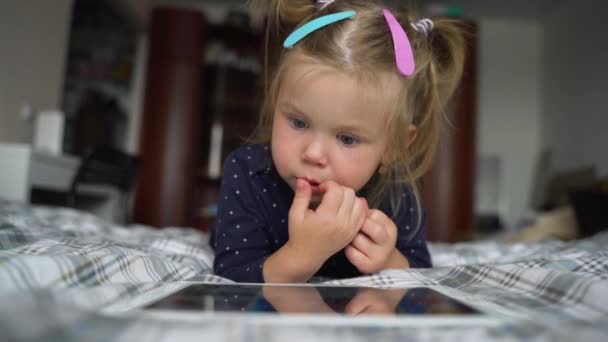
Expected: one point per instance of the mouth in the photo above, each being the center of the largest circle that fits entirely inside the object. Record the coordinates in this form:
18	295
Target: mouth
314	184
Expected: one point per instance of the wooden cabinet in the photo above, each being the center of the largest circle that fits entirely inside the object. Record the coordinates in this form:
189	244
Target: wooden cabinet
231	100
197	75
171	118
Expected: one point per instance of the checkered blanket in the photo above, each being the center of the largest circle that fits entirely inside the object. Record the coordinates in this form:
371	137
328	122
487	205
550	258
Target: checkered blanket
68	276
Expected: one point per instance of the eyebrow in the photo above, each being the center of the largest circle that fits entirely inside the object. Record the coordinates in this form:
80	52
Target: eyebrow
291	107
356	129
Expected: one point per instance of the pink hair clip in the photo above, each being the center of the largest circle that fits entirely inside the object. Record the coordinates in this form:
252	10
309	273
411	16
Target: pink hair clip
404	55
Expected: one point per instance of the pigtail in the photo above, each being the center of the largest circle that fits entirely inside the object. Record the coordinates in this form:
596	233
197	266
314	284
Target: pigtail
447	46
440	58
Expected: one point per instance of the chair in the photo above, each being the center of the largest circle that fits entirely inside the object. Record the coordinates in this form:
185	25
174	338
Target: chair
105	165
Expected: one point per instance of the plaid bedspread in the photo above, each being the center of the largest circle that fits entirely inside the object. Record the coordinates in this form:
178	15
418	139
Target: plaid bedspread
68	276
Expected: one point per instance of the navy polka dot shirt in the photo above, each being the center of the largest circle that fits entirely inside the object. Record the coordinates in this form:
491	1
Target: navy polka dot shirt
252	221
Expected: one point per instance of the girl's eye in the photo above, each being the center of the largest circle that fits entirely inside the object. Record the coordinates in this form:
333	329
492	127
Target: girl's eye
297	123
348	140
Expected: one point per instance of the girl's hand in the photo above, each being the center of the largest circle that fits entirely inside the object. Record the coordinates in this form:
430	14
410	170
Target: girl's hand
296	299
318	234
373	248
375	301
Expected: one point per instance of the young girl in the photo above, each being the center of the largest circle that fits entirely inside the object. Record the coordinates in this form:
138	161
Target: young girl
349	124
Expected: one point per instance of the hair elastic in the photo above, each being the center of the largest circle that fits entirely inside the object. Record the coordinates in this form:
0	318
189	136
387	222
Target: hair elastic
404	55
423	25
314	25
323	3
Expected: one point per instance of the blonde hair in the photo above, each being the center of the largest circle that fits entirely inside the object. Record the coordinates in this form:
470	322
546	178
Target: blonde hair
363	48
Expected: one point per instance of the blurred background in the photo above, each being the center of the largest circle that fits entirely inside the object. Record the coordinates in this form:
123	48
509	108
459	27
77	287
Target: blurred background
177	85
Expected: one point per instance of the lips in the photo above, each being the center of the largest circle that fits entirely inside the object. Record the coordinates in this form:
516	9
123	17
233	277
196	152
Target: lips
314	184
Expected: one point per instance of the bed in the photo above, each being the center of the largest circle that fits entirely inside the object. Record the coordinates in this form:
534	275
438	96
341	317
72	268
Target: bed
69	276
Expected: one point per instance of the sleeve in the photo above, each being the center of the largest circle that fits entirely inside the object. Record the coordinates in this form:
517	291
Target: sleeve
239	239
411	237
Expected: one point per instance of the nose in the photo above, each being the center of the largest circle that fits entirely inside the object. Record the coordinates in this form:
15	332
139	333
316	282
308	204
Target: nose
315	152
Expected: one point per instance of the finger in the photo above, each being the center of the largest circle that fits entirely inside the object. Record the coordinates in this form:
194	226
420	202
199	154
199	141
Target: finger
361	223
375	231
356	257
365	202
301	200
378	216
356	306
385	222
333	197
324	186
348	203
359	212
363	244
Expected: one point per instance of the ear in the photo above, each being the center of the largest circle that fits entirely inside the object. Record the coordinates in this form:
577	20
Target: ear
411	134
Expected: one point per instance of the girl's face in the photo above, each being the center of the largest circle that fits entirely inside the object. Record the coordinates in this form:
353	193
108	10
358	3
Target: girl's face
327	126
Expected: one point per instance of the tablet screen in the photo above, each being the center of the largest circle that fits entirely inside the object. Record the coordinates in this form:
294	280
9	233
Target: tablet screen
312	299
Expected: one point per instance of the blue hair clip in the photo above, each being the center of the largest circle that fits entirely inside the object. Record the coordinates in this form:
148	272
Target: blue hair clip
314	25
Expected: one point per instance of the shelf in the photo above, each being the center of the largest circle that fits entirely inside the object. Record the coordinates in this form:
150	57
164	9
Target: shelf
235	35
238	107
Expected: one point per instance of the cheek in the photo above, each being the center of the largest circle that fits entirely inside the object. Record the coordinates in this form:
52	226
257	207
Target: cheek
280	146
280	130
357	170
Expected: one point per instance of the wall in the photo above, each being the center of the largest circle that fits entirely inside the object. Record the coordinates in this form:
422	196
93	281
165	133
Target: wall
574	76
509	110
34	37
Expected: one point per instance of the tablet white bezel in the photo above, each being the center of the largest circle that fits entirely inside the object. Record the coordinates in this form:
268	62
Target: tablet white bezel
451	320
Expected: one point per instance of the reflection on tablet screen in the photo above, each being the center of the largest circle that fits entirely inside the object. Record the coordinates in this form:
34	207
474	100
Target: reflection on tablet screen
312	300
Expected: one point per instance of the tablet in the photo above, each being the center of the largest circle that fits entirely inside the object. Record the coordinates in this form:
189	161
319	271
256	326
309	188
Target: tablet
317	304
